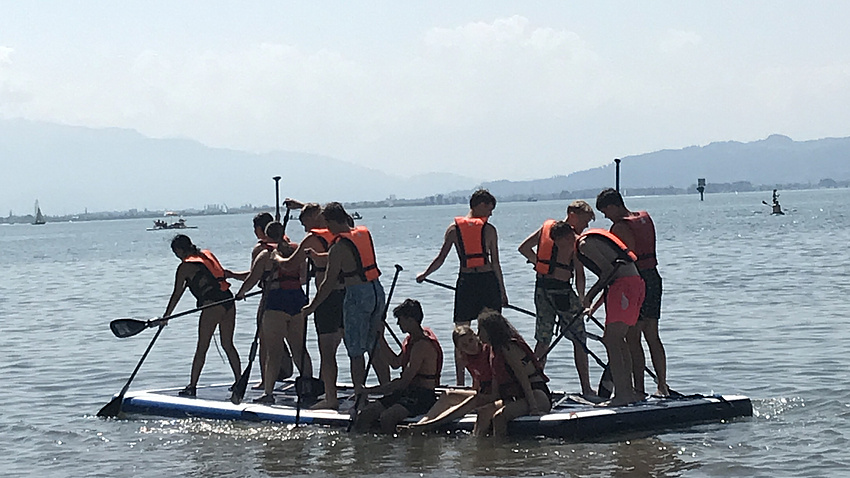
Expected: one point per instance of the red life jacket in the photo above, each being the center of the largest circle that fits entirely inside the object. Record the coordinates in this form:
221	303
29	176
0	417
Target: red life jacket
367	266
623	253
479	367
504	375
547	252
470	241
643	230
287	277
432	337
212	264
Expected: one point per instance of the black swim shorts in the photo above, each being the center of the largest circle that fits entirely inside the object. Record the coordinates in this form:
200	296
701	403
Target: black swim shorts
416	400
474	292
651	308
328	315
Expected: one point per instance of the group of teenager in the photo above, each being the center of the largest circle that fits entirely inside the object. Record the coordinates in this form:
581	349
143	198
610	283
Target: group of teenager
508	378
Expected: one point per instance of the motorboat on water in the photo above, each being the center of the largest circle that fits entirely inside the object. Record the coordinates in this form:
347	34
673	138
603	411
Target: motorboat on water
571	417
159	225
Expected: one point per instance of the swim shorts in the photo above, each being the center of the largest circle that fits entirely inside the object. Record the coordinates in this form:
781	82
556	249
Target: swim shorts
416	400
289	301
216	296
328	315
362	313
474	291
556	298
651	308
624	299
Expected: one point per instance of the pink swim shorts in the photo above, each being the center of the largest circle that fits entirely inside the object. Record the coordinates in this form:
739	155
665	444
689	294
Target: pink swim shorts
625	297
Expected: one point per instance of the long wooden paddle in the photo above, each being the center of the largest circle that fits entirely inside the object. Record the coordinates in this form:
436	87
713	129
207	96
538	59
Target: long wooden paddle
113	408
123	328
357	400
449	287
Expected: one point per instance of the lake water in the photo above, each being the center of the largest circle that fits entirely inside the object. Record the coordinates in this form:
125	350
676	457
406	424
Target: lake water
753	303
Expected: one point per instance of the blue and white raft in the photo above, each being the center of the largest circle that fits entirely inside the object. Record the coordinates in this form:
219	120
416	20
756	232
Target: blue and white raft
571	418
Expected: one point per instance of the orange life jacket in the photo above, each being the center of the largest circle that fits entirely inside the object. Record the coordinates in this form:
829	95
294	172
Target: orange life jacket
470	241
432	337
367	266
212	264
325	236
547	252
643	230
624	255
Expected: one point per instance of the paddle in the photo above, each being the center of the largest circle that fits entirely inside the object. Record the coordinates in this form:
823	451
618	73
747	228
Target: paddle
606	382
673	393
123	328
113	408
509	306
303	343
357	400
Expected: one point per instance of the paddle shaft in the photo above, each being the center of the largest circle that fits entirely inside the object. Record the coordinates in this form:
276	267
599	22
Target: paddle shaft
508	306
398	269
116	402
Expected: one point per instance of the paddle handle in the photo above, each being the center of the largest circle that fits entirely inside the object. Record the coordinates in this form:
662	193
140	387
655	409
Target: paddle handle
160	320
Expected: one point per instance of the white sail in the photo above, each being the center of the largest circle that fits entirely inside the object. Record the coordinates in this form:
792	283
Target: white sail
39	218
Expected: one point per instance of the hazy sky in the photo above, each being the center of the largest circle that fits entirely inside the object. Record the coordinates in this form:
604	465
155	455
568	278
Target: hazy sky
488	89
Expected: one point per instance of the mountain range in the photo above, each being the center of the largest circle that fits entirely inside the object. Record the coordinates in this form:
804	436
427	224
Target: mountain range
70	168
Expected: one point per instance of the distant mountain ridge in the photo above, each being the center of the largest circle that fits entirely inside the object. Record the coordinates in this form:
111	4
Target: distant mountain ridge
113	168
774	160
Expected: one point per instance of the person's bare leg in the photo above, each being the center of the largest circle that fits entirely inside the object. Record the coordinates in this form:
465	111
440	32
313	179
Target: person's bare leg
358	373
226	328
583	369
460	373
633	339
206	328
273	331
294	334
619	361
328	368
391	417
657	355
539	349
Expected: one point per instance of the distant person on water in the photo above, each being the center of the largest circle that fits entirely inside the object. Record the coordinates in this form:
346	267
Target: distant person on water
328	317
518	378
613	263
202	273
283	300
264	243
551	249
479	283
421	361
353	266
637	231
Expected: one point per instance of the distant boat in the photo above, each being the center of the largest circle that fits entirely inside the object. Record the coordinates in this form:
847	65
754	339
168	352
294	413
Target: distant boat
160	225
39	217
356	215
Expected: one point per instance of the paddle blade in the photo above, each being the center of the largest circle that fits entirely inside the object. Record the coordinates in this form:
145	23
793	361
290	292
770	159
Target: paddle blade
123	328
111	409
241	385
606	384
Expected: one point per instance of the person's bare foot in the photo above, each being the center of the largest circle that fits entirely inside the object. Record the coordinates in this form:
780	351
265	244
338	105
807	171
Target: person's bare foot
326	404
258	386
622	400
662	391
592	397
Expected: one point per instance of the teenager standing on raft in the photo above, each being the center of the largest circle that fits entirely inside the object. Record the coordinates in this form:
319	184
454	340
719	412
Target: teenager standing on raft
201	272
479	283
637	231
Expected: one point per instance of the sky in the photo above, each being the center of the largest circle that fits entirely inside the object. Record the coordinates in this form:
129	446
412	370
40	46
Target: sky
485	89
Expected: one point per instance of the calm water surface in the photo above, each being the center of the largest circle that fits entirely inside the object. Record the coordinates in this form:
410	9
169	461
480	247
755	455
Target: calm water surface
754	304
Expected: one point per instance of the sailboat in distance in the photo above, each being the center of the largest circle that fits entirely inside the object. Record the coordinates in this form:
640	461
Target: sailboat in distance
39	217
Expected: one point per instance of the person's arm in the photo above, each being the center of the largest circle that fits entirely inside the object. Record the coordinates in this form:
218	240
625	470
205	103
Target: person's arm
256	273
528	245
493	246
417	361
581	280
327	285
448	241
180	281
293	203
513	359
393	359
